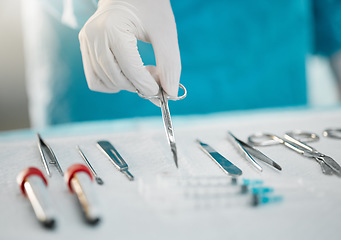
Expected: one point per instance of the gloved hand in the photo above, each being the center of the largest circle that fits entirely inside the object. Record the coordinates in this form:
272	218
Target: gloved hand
108	43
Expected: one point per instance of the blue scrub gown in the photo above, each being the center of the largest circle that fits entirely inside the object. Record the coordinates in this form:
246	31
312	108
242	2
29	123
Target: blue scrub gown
235	55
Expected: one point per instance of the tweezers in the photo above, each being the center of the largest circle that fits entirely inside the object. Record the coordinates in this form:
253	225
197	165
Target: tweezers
248	150
42	145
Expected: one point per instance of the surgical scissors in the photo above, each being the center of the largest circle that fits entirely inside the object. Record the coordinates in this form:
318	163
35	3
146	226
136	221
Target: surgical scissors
294	140
163	98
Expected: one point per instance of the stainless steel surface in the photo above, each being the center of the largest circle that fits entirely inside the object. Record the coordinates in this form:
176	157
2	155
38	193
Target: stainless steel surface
222	162
43	146
97	178
166	116
115	158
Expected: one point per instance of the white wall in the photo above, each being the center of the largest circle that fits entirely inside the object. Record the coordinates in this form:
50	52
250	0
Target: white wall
13	99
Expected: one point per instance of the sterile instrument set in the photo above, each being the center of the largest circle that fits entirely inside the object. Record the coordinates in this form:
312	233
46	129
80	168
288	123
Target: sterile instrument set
78	177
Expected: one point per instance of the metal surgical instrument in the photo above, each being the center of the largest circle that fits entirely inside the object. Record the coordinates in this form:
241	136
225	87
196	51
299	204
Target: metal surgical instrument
163	98
42	145
97	178
222	162
294	140
115	158
248	150
332	133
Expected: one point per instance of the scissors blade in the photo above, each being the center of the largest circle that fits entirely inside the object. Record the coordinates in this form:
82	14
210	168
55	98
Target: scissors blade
324	167
309	151
331	163
175	154
222	162
167	121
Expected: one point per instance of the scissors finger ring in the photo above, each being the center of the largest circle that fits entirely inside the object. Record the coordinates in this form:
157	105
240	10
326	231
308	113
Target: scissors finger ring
157	96
303	136
264	139
332	133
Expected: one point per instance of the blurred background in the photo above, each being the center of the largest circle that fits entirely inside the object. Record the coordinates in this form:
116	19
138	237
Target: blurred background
13	97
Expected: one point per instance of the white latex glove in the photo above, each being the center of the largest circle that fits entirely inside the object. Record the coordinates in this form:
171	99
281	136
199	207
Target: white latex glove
108	43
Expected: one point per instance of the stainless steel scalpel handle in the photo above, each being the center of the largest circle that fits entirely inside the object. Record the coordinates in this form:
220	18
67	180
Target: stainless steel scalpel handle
115	158
221	161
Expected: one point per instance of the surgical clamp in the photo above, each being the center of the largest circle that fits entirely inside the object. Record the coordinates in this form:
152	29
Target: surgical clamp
294	140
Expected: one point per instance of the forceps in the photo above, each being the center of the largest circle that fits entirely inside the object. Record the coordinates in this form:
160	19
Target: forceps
167	121
294	140
250	151
42	145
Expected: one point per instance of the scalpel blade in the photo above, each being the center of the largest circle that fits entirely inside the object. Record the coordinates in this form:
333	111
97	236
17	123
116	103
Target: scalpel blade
222	162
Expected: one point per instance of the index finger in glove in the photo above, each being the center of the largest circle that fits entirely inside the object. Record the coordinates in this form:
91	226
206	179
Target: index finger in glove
124	47
167	54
